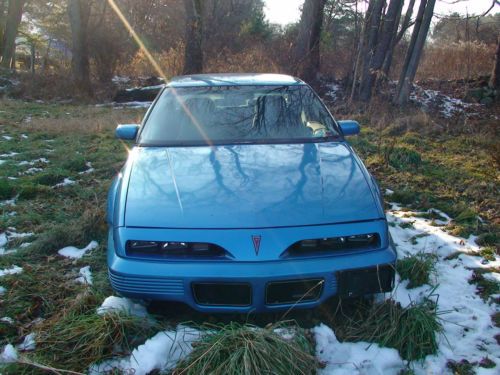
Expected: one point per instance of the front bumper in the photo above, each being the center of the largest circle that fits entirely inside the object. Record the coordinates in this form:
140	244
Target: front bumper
176	281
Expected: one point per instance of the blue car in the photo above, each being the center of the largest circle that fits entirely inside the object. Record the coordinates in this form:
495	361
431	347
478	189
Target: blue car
242	195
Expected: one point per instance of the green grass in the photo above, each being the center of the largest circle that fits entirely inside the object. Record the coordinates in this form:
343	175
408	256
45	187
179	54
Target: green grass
91	338
417	269
248	350
6	189
411	330
485	287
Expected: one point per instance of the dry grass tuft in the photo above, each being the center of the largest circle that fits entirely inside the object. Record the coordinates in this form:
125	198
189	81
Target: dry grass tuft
248	350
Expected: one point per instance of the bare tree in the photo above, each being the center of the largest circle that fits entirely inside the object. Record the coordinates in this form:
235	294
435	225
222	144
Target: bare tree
79	11
412	59
307	46
193	55
384	43
14	14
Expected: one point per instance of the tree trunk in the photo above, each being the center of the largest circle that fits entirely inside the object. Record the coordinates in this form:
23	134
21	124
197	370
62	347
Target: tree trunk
14	15
386	66
45	57
495	74
3	3
411	47
78	11
32	57
384	41
373	19
406	21
307	47
193	54
415	54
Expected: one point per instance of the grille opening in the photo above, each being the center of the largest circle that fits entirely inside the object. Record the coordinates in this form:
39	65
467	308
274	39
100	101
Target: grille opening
171	249
331	245
293	291
360	282
222	294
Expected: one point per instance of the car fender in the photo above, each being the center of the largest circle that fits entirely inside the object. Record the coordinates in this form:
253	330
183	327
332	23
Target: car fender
110	206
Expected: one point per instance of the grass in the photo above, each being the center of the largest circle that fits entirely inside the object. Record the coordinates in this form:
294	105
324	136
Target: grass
91	337
248	350
411	330
485	287
425	169
417	269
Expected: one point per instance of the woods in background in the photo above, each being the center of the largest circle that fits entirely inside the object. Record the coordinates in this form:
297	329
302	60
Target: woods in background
366	43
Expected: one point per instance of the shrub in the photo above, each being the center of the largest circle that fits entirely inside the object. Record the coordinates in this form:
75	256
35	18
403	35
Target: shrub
245	349
6	189
403	158
416	268
75	164
404	196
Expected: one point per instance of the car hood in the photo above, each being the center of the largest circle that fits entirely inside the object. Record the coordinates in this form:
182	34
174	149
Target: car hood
247	186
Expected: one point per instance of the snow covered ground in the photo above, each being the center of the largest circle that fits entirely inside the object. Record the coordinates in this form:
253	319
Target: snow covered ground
433	99
468	330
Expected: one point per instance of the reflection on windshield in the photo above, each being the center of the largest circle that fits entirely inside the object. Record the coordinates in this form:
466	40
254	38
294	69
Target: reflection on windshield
234	114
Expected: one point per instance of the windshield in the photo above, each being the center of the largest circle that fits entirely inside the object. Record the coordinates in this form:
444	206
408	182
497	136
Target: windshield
237	114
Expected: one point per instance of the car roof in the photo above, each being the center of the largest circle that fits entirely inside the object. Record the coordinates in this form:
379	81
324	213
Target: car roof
234	79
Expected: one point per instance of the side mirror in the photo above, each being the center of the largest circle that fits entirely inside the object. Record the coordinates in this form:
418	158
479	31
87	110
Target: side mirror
127	131
349	127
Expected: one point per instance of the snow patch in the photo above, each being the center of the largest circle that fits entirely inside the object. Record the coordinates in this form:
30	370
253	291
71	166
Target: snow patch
335	91
9	354
7	137
67	181
85	276
354	357
28	343
133	104
89	168
10	271
120	79
8	202
8	235
433	99
33	162
161	352
121	304
73	252
9	155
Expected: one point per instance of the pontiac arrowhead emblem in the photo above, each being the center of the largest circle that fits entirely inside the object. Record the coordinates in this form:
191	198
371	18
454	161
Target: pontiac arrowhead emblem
256	243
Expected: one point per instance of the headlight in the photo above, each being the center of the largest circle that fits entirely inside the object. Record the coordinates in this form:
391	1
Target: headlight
172	248
334	244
